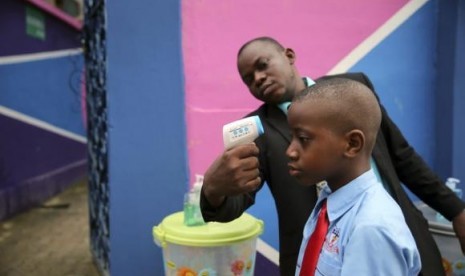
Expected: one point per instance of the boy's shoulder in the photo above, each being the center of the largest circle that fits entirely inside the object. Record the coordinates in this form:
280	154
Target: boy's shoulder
377	207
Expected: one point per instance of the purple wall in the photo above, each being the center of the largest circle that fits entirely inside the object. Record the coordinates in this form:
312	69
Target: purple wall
35	164
42	144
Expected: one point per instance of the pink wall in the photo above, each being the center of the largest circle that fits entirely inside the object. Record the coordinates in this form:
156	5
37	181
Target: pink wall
321	33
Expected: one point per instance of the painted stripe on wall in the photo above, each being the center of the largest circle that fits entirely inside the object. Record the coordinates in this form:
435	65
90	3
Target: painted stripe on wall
268	251
377	37
61	170
41	124
39	56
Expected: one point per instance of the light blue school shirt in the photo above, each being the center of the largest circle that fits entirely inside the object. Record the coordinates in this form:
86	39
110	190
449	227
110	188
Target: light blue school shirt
367	232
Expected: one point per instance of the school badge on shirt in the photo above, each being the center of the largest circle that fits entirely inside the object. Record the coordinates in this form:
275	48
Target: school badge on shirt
330	244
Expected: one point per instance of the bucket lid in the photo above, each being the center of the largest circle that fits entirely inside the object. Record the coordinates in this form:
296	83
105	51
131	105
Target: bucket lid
173	230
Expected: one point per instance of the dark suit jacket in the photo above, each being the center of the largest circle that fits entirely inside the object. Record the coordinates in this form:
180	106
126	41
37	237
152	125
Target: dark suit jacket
397	162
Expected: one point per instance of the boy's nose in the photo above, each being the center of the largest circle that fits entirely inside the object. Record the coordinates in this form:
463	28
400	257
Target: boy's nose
291	153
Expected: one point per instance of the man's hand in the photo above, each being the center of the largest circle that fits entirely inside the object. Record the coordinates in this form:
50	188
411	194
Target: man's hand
459	227
234	172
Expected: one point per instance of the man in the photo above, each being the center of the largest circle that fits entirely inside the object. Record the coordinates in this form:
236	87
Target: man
231	182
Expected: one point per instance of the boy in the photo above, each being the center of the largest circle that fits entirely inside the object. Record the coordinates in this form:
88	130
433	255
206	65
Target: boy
334	126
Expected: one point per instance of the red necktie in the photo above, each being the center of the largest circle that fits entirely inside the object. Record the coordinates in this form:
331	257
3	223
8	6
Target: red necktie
315	243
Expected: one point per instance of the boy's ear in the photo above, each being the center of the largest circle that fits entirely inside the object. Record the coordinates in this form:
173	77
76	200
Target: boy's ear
290	54
355	142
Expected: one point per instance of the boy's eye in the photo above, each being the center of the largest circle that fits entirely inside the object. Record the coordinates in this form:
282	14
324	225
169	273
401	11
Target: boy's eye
304	139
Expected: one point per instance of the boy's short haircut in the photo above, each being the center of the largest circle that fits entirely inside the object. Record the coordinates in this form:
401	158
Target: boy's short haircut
352	106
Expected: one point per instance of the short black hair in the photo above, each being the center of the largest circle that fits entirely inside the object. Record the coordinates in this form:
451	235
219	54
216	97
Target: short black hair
266	39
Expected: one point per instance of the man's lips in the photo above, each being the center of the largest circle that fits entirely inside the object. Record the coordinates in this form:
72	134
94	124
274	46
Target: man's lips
267	89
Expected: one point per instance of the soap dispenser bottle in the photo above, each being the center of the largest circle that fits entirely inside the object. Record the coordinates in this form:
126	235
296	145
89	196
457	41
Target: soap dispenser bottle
192	212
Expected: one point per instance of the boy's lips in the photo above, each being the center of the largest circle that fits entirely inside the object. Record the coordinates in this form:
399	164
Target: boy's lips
293	170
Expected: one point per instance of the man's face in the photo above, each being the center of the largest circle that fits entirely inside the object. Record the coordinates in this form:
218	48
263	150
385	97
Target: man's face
315	151
268	72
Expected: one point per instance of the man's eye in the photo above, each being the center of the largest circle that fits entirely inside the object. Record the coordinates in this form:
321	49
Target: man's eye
263	64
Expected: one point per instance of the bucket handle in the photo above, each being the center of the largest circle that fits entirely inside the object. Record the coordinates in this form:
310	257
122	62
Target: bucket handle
262	225
159	235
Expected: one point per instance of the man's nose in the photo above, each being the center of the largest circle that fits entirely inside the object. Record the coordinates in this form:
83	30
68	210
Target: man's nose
259	77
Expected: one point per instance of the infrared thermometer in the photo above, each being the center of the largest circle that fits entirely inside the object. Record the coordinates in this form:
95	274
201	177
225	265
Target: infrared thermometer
242	131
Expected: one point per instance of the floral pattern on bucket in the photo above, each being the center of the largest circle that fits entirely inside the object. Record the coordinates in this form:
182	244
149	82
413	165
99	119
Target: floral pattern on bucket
237	267
185	271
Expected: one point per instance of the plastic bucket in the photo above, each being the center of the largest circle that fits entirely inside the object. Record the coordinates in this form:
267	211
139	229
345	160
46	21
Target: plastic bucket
444	235
210	249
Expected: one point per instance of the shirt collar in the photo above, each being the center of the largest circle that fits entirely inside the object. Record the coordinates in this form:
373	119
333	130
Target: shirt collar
285	105
345	197
308	81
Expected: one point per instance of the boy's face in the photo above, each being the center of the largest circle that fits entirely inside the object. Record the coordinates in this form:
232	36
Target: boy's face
316	151
267	72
